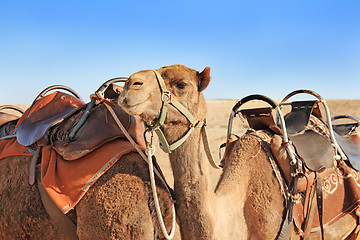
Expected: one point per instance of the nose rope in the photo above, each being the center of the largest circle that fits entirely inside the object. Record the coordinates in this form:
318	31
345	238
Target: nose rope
148	158
150	151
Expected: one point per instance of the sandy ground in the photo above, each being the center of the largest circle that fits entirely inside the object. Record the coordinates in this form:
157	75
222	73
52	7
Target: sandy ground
218	112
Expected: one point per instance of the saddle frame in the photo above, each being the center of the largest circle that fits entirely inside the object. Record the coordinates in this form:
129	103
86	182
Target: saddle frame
339	152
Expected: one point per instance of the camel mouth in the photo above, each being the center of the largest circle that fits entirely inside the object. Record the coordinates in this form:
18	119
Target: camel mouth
132	108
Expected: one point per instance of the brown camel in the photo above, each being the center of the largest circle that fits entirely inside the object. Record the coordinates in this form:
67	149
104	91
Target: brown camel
118	206
247	202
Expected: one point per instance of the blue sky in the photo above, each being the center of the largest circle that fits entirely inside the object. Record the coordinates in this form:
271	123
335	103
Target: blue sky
268	47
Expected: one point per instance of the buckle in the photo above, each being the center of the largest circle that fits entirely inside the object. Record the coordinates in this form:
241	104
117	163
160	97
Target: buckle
166	96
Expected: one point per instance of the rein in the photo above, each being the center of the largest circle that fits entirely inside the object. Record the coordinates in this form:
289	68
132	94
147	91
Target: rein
168	99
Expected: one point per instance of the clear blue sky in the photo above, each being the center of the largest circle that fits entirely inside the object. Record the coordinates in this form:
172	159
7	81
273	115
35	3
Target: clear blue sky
255	46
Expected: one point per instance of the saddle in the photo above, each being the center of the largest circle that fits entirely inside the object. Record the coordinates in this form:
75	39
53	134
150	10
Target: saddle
43	114
317	155
52	118
311	143
98	129
303	135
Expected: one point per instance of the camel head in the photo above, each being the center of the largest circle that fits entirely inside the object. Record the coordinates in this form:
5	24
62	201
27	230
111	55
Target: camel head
143	96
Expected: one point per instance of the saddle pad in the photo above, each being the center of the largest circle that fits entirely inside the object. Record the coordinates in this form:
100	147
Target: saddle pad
11	147
66	182
45	113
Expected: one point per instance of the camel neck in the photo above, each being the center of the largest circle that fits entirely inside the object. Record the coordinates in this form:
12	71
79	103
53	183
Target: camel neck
191	184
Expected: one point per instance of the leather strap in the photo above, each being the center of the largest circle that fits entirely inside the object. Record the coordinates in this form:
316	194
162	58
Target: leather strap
319	199
33	163
63	222
310	213
207	148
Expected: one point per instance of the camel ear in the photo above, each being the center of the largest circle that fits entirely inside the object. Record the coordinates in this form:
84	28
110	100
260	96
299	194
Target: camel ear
204	78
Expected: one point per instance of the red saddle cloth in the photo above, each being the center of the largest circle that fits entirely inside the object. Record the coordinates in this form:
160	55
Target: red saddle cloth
65	181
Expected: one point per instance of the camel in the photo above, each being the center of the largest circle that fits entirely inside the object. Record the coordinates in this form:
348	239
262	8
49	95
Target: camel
247	202
118	206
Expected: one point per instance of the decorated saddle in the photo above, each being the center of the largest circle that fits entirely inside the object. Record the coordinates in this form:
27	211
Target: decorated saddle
318	178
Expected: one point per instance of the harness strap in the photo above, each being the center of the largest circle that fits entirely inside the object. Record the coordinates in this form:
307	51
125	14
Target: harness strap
164	143
310	212
319	199
168	99
286	228
63	222
207	148
33	163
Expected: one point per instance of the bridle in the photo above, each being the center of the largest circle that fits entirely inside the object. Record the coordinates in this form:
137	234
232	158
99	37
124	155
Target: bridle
168	99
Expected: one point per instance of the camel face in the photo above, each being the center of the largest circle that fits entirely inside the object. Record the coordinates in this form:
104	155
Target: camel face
142	94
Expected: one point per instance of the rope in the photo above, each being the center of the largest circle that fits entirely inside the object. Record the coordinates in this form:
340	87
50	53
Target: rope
150	150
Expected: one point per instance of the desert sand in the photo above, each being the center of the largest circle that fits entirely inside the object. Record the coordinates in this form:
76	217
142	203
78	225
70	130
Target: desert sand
218	112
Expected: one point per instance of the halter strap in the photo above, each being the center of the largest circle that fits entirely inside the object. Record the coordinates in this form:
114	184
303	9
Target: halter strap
167	99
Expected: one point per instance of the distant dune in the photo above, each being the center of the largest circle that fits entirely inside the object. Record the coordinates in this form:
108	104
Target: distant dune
217	120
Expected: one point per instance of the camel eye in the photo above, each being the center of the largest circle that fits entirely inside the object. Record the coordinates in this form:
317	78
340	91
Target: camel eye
181	85
137	83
